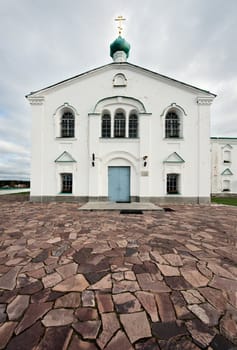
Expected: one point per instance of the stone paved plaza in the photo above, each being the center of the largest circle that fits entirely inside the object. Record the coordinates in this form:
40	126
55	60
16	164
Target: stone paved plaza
103	280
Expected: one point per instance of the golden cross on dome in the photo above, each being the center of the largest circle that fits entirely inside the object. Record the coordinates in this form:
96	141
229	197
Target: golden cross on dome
120	19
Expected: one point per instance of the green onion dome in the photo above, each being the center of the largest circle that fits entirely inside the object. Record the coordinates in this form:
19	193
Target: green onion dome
119	44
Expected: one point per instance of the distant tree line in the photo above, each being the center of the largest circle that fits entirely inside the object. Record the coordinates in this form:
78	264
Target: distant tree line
14	184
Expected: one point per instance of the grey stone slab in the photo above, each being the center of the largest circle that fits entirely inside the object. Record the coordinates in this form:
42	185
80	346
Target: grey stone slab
120	206
120	256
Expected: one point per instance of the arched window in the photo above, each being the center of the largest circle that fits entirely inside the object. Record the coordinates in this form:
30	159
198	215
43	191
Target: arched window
119	80
67	125
172	125
119	125
133	126
106	126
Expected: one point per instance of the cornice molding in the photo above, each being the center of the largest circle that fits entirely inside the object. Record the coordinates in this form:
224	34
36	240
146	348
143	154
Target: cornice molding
205	100
119	100
65	105
36	100
174	106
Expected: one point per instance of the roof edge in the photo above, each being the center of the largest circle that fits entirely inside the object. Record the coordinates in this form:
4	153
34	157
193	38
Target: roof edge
120	63
223	138
172	79
65	80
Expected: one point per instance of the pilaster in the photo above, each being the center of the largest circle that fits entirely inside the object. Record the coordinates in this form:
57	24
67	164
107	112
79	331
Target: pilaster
203	149
145	153
37	145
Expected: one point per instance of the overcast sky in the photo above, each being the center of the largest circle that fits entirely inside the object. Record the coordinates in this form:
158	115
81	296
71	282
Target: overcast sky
44	42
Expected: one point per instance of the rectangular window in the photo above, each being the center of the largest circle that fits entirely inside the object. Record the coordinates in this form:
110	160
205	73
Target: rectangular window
67	125
119	125
66	179
133	126
106	126
227	157
68	128
226	186
172	184
172	128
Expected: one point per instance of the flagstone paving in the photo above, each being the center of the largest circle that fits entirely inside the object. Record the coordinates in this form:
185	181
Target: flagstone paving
100	280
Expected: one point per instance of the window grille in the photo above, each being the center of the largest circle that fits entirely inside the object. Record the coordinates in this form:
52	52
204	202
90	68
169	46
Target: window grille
119	125
172	183
66	182
172	125
106	125
67	125
133	126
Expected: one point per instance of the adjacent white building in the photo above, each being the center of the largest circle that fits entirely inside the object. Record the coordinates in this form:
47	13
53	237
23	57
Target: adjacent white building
122	133
224	165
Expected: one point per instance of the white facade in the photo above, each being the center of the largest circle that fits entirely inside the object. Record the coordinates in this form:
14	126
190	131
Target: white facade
224	165
121	88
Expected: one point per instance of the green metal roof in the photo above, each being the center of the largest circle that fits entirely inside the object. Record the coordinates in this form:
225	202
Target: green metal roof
119	44
223	138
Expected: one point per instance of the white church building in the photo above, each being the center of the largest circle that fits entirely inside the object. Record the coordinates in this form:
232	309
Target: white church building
121	133
224	166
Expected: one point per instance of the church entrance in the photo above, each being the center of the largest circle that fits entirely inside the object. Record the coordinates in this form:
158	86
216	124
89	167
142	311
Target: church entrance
119	183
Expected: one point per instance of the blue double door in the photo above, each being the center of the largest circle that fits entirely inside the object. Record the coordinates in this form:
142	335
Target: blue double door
119	183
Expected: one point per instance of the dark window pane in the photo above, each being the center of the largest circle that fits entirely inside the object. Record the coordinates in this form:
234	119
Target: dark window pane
66	183
172	125
106	125
67	125
133	126
119	125
172	183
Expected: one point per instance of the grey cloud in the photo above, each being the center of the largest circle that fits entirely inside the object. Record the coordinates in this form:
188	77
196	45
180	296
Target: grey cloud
8	147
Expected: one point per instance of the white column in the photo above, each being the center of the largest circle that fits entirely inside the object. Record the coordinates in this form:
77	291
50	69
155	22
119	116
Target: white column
127	123
37	147
204	154
112	124
144	174
94	133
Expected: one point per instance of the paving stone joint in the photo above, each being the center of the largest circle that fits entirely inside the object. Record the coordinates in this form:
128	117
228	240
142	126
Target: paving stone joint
71	279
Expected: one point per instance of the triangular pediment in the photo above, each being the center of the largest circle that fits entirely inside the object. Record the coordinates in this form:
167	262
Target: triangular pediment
123	67
227	146
227	171
65	157
174	158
